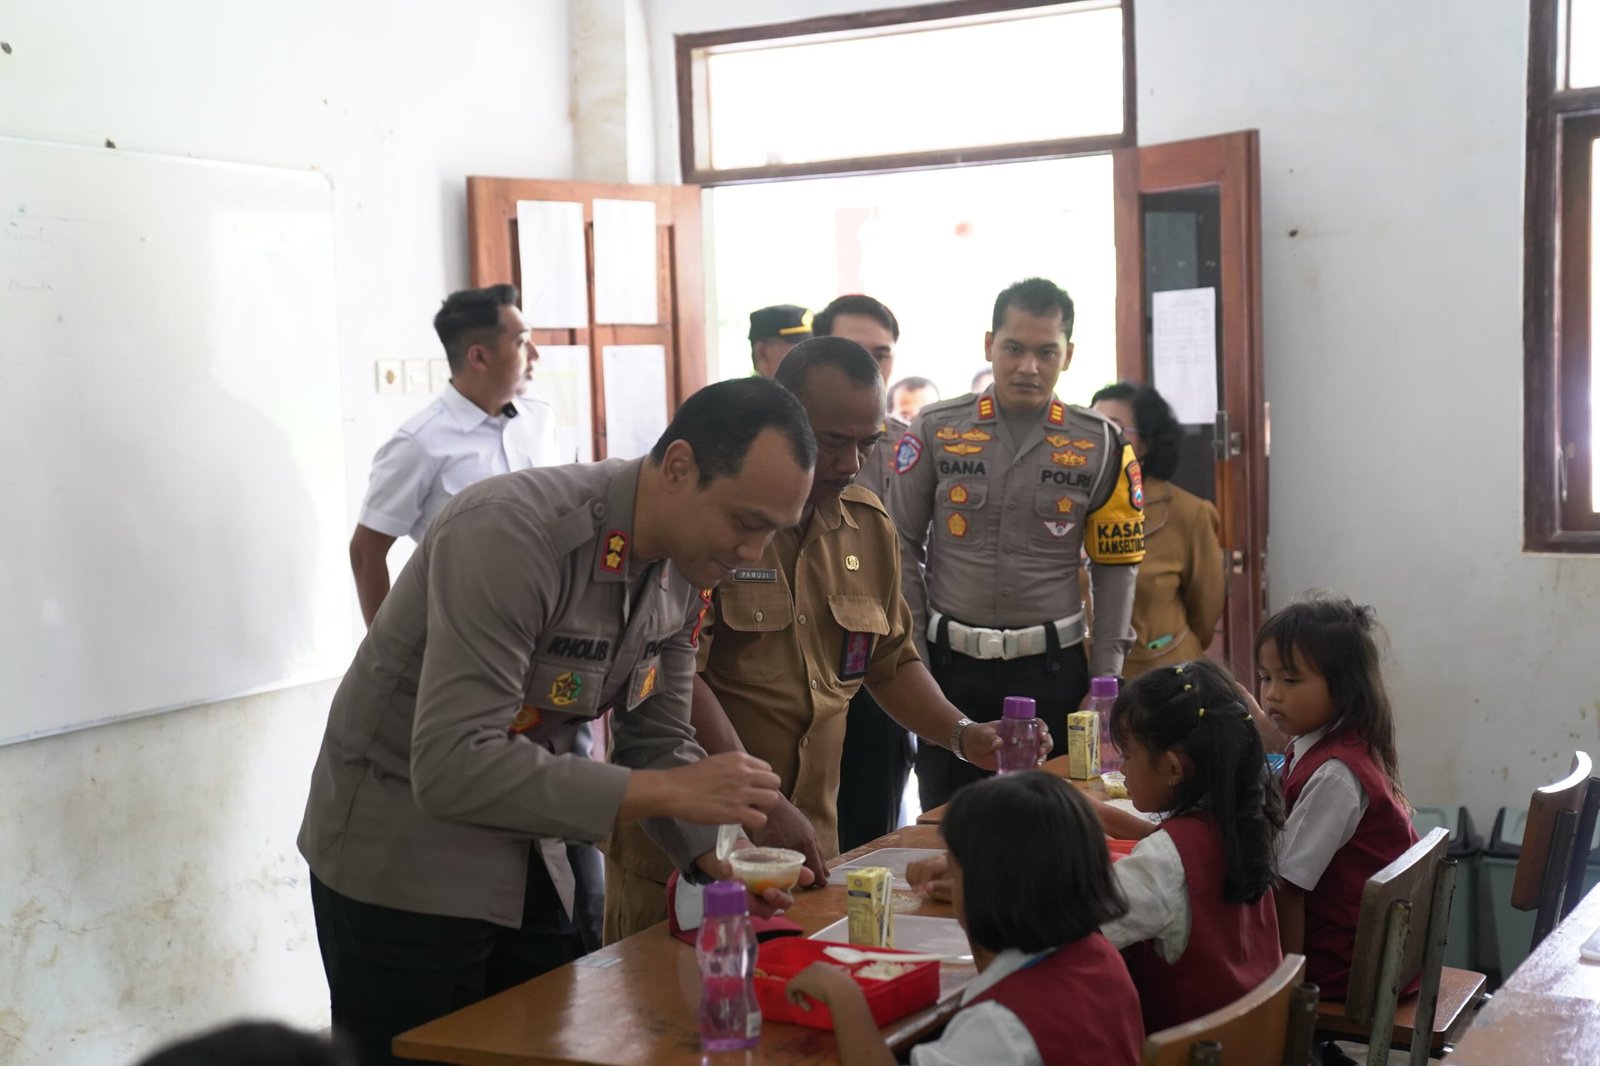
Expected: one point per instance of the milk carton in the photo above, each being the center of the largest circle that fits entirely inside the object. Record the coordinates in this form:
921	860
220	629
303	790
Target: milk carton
1083	745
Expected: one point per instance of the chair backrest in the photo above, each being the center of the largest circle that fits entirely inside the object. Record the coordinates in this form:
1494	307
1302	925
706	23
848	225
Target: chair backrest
1254	1030
1538	837
1409	879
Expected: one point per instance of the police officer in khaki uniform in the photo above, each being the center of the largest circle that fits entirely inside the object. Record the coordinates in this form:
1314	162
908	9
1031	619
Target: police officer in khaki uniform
446	785
1013	484
791	639
877	752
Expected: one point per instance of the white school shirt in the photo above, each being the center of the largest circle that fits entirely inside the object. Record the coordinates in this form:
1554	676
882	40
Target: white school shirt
445	447
1324	818
1153	882
984	1032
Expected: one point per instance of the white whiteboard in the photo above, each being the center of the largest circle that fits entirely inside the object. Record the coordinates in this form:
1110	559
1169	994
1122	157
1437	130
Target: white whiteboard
170	420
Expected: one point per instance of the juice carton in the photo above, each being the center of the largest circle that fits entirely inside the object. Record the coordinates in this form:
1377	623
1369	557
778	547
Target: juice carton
871	916
1083	745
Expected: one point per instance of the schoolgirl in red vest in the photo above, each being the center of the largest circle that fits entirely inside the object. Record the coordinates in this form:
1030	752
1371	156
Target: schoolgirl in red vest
1321	685
1030	880
1201	929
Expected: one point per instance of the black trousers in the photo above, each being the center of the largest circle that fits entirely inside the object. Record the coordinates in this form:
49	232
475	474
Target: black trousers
1057	680
872	773
392	970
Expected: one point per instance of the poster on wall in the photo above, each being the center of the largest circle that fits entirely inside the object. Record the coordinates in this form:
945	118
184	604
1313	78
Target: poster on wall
625	262
636	398
1183	352
561	379
555	280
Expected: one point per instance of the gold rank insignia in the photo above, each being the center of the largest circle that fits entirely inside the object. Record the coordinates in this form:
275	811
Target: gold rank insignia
986	408
1056	440
1069	458
963	449
851	563
564	690
1085	443
957	525
526	719
616	551
977	435
649	685
958	494
947	433
1064	505
1058	413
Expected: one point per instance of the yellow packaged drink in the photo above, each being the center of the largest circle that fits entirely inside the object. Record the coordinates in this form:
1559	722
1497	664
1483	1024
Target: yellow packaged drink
871	916
1083	745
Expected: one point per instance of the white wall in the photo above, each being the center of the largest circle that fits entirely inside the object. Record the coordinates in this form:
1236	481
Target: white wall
1392	141
150	881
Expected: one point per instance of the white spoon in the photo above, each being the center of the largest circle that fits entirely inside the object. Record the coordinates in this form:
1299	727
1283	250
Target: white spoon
850	956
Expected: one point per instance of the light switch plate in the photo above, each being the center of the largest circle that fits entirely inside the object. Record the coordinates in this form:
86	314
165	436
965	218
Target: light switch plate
389	382
438	374
416	374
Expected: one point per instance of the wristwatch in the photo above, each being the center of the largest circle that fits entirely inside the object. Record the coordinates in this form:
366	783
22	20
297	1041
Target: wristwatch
955	738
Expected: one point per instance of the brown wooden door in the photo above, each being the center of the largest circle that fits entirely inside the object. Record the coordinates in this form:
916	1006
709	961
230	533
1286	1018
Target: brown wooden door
1188	217
680	291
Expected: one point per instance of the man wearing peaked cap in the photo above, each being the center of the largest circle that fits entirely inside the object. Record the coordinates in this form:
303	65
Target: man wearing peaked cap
773	331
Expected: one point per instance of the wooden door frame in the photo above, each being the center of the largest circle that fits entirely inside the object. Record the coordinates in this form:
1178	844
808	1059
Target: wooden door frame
1230	161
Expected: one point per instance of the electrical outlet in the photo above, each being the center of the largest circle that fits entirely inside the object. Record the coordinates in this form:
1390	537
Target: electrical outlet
416	374
438	374
389	382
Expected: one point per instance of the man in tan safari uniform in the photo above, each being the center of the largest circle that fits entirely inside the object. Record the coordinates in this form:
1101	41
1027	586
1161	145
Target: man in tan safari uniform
446	786
995	495
789	640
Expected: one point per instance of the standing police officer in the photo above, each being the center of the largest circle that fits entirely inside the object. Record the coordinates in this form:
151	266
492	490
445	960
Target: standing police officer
1014	484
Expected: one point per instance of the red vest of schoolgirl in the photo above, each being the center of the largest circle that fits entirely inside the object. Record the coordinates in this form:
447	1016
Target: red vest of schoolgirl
1232	947
1382	834
1078	1003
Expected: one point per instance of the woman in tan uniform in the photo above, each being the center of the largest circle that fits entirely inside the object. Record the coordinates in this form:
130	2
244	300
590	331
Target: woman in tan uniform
1179	594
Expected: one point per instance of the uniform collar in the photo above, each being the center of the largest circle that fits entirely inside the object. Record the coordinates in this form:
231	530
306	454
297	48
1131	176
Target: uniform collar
613	518
468	415
833	514
1003	965
987	409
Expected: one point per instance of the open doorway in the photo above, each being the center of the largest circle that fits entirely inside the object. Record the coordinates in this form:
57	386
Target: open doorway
936	246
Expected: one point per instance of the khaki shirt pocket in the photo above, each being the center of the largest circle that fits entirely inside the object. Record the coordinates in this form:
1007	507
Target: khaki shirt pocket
1058	517
566	689
959	517
744	616
864	621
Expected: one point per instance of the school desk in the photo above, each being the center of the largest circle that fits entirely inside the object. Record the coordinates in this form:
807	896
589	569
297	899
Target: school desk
637	1001
1548	1011
1056	766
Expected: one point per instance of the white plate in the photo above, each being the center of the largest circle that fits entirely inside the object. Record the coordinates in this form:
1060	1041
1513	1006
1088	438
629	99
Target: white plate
932	936
896	859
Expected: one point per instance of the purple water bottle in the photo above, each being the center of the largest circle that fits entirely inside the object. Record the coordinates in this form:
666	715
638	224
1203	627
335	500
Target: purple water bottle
1019	736
1102	694
730	1017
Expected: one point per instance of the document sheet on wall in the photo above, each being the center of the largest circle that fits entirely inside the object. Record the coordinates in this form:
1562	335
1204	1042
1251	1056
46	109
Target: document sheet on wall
1183	352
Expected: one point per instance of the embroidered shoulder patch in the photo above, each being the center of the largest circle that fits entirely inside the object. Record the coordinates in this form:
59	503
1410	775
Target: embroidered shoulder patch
907	453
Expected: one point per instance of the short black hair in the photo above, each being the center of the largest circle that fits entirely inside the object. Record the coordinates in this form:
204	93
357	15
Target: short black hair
466	315
1035	868
721	420
1155	423
253	1044
1035	296
1196	709
912	383
854	304
809	355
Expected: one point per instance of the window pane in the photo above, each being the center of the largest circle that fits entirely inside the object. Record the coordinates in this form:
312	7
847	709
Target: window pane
936	246
1594	331
1029	78
1584	46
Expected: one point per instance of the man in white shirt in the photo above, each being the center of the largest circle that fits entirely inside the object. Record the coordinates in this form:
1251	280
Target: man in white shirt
479	426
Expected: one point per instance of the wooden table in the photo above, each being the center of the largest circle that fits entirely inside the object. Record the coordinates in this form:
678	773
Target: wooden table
637	1001
1548	1011
1056	766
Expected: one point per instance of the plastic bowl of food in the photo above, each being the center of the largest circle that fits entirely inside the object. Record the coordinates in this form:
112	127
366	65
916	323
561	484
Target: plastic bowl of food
764	868
1116	785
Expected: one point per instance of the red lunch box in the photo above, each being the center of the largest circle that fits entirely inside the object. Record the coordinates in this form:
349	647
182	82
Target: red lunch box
780	959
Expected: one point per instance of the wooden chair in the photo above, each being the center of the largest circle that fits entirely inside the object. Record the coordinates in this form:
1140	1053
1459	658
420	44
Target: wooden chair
1401	933
1270	1025
1555	847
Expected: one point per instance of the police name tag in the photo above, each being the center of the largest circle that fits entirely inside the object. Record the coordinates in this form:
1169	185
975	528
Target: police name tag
755	574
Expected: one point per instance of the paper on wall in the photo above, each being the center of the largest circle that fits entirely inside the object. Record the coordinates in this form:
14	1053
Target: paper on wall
625	262
561	379
1183	352
555	278
636	398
